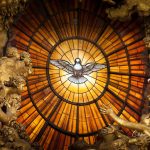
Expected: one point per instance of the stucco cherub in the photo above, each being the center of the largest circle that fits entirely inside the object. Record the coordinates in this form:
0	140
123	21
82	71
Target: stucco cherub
14	70
12	52
8	108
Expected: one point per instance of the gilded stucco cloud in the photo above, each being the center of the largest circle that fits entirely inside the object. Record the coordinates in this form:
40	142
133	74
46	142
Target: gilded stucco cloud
124	12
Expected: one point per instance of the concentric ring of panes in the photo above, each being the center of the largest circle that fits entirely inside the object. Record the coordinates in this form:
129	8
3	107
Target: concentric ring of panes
79	93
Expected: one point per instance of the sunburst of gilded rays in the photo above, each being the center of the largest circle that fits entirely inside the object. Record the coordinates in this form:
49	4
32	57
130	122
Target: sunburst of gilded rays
70	50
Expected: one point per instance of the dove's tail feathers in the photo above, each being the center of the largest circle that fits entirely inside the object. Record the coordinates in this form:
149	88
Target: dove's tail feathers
77	80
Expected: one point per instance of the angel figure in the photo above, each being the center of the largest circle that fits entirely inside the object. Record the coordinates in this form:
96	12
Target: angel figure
142	140
142	126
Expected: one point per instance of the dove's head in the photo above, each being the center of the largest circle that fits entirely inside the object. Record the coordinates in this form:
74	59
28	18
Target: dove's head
77	60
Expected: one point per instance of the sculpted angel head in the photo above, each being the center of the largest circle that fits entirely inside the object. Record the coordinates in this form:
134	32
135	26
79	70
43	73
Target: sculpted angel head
19	82
13	52
13	100
145	119
11	104
26	58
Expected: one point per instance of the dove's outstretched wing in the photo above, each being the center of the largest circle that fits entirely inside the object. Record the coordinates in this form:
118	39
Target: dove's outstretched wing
62	64
92	67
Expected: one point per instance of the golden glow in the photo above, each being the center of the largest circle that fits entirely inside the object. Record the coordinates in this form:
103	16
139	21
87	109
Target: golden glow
70	50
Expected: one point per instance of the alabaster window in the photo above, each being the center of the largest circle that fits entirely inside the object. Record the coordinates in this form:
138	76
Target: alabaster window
55	109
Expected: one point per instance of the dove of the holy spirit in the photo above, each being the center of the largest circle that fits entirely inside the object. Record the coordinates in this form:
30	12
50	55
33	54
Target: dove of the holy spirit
77	70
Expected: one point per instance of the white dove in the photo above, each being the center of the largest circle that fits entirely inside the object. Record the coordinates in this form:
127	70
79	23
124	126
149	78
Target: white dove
77	70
